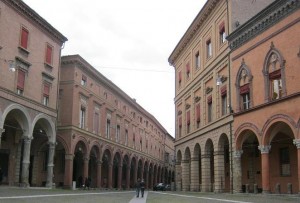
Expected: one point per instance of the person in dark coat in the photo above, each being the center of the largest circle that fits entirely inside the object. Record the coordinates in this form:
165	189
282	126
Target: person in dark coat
142	187
138	187
1	175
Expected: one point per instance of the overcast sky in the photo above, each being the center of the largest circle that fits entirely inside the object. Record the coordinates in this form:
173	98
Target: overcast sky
128	41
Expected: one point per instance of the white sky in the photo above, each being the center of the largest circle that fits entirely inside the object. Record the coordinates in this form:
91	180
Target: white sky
128	41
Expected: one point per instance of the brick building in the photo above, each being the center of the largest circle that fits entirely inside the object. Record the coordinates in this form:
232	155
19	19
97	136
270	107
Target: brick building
204	131
105	135
265	96
30	51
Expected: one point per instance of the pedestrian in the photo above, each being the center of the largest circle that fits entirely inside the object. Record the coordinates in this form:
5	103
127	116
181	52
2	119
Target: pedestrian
87	183
142	187
138	187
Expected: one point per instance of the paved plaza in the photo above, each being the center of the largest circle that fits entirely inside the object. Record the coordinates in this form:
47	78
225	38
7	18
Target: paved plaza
37	195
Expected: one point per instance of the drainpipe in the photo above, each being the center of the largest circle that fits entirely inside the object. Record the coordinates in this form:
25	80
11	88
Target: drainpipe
230	106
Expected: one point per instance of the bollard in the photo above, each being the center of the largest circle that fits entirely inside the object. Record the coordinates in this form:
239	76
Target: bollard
255	190
289	188
277	188
74	185
247	188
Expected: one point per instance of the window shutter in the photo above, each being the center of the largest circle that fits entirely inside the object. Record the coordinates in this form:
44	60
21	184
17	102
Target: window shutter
49	54
180	121
179	76
188	118
188	69
275	74
46	90
209	99
198	112
223	90
24	38
245	89
21	79
222	27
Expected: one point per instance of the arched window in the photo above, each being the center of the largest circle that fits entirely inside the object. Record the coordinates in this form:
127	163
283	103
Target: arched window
244	87
274	75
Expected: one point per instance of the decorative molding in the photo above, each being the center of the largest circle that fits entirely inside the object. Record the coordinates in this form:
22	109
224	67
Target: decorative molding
238	153
187	106
179	112
208	90
197	98
297	143
262	21
264	149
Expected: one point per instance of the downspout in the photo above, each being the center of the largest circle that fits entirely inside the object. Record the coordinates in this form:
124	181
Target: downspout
230	107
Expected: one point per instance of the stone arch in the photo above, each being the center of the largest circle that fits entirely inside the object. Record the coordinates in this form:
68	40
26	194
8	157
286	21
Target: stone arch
47	124
274	122
243	132
179	156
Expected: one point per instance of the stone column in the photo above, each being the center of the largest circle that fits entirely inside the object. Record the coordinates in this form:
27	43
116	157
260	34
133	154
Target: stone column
185	175
68	171
206	176
120	177
265	165
85	168
237	170
128	177
178	176
1	131
110	168
99	165
297	143
26	162
49	183
219	171
195	174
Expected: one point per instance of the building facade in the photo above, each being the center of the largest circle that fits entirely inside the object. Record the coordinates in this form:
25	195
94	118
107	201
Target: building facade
104	135
30	50
204	121
265	96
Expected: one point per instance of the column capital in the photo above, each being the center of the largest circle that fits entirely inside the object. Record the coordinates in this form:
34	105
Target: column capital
297	143
185	161
51	145
195	158
69	156
264	149
218	153
237	153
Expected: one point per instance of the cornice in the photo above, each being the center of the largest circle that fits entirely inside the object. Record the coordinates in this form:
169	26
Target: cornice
262	21
193	29
26	11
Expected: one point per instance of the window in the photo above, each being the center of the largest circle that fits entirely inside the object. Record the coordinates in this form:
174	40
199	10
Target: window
179	78
118	133
188	70
83	80
245	95
197	60
141	144
107	128
208	48
133	139
224	100
209	109
222	34
180	127
49	52
46	94
275	85
198	118
21	82
82	117
126	137
285	166
24	38
188	122
96	123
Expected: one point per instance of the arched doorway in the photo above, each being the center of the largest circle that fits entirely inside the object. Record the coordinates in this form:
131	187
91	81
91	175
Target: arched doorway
93	166
208	167
186	170
222	162
116	168
105	170
78	164
133	172
178	170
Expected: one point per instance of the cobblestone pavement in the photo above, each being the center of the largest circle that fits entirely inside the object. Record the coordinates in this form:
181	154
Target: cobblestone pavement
37	195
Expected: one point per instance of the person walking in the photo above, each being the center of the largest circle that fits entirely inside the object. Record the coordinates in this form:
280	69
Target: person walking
142	187
138	187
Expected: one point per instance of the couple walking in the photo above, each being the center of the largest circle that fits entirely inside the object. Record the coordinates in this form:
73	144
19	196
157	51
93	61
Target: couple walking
140	186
